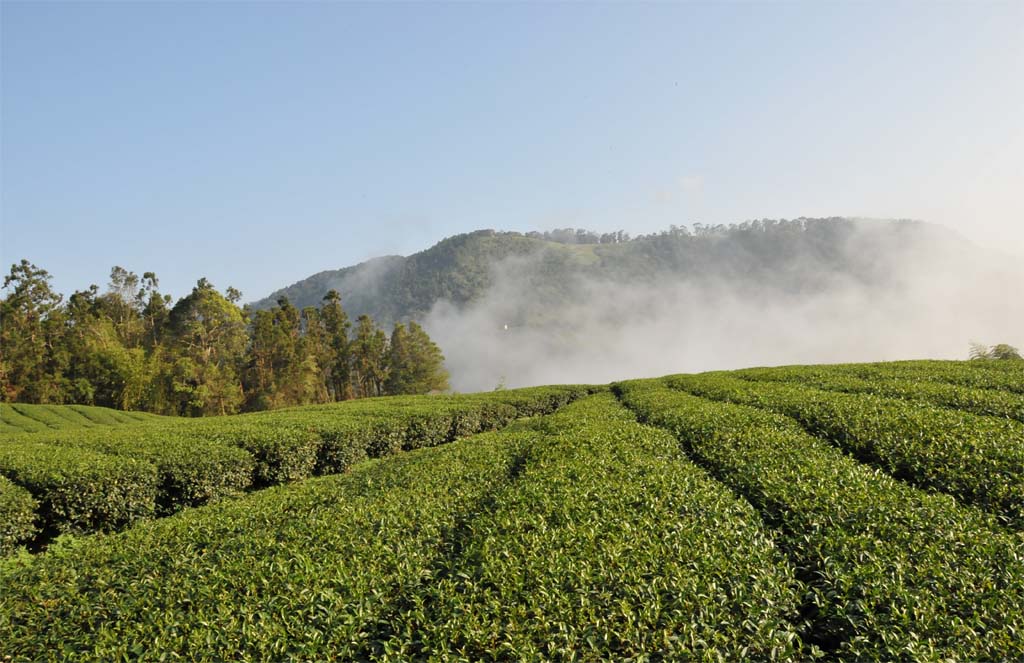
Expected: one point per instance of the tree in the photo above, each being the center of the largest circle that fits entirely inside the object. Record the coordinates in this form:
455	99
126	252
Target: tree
313	355
369	358
104	368
1004	351
427	363
260	377
400	369
416	365
31	326
999	351
128	347
337	354
154	309
210	338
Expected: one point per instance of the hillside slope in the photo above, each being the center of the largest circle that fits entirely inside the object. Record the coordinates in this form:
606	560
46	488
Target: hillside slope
395	288
515	310
792	255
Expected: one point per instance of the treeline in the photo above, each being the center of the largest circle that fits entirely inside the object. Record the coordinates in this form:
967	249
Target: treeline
130	347
579	236
584	236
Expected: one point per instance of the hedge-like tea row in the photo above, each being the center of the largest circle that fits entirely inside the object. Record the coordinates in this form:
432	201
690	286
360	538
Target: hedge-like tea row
199	461
992	374
79	490
297	442
28	418
299	572
895	573
191	470
611	545
980	460
500	547
985	402
17	516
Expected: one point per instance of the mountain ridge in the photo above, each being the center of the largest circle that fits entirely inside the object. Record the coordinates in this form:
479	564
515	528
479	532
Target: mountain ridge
461	269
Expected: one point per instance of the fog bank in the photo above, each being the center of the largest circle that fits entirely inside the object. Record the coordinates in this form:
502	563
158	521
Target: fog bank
926	297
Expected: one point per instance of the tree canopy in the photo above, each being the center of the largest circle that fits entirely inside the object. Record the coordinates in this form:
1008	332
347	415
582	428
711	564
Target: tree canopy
128	347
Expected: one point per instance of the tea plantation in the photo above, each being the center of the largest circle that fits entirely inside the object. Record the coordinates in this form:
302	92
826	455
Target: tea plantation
868	512
26	418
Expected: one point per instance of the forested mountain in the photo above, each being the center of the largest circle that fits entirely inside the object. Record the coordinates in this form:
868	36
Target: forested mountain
795	256
575	306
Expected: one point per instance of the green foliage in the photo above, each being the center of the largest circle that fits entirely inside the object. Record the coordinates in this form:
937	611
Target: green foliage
794	526
416	365
997	375
790	254
191	470
283	451
1000	351
17	516
128	348
386	561
80	490
893	573
877	379
32	323
608	545
980	460
85	477
26	418
300	573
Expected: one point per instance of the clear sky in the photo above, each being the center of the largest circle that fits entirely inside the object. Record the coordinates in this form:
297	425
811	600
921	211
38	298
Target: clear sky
256	144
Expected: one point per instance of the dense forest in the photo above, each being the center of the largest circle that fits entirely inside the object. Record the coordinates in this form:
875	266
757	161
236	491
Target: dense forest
130	347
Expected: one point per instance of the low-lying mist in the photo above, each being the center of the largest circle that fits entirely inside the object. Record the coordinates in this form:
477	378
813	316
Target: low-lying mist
922	297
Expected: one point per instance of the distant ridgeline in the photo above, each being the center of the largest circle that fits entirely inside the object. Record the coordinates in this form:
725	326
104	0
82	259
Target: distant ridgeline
793	255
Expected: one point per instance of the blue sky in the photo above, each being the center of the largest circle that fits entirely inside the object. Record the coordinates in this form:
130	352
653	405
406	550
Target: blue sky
256	144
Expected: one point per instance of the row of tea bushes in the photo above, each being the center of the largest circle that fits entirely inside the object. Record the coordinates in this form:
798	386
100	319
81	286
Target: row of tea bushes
104	479
894	573
77	490
577	536
610	545
985	402
297	572
17	515
190	470
981	374
979	460
28	418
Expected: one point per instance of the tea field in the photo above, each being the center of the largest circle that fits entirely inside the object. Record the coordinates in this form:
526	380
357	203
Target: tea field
26	418
845	512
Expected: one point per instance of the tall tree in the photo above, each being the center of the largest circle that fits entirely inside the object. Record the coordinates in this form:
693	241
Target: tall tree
415	363
337	360
154	309
369	358
426	363
210	338
104	368
32	361
128	348
313	352
260	376
400	369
